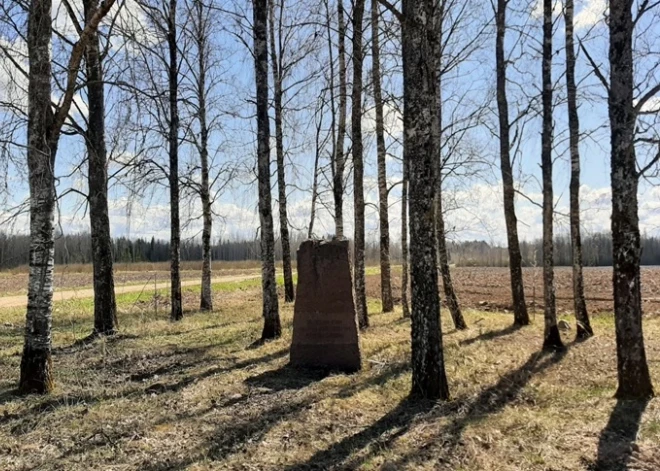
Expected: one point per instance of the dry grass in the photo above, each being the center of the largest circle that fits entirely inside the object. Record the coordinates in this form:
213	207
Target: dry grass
69	277
146	266
193	396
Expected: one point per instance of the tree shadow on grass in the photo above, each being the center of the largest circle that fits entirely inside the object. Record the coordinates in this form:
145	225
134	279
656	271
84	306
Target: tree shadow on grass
489	402
383	433
491	335
616	439
29	418
287	377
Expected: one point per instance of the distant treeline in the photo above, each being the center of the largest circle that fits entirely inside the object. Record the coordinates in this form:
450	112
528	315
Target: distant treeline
77	248
596	252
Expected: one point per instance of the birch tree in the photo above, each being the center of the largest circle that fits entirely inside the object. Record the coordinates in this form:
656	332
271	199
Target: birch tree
420	94
200	28
443	256
383	205
359	278
272	326
551	337
632	367
277	69
339	158
520	315
583	326
43	135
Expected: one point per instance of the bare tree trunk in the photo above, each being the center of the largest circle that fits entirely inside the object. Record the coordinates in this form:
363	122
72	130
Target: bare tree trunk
36	363
272	326
358	168
383	207
521	317
633	372
404	238
340	158
420	88
276	65
175	224
584	329
443	257
43	133
551	337
105	306
443	263
315	181
206	299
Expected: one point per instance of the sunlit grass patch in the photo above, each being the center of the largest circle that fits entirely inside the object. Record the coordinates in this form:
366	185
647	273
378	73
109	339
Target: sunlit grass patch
196	395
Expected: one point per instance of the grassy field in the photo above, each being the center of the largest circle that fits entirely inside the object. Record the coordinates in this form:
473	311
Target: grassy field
194	395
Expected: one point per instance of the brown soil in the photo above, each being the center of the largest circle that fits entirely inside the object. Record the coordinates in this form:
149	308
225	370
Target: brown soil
490	288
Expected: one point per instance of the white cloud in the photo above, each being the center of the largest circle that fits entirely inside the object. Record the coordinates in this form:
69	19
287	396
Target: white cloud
652	105
589	12
392	118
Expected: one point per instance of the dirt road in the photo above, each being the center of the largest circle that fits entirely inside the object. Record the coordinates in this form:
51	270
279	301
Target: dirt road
21	301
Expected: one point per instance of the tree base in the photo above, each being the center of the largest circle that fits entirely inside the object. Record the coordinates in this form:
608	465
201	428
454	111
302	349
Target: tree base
205	305
521	321
36	372
552	341
272	330
583	332
176	316
643	391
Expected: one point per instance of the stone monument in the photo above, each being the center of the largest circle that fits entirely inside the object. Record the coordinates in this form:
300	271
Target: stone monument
325	328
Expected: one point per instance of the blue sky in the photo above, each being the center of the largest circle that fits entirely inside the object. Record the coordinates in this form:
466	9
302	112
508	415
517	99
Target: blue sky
473	195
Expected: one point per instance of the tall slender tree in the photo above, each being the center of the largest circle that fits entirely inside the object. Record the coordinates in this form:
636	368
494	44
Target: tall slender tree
272	326
339	156
105	306
359	279
173	143
551	337
584	329
420	93
520	314
443	256
276	53
43	135
405	306
383	204
199	19
632	367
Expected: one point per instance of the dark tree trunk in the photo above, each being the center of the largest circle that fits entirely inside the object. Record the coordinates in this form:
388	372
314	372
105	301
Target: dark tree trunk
36	364
405	307
420	93
43	133
276	65
201	33
272	327
340	158
358	168
584	329
443	257
105	307
383	209
521	317
443	263
175	224
551	337
633	371
315	180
